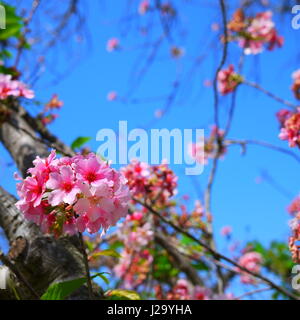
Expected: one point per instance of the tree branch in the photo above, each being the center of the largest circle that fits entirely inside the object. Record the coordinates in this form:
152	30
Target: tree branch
216	254
44	260
180	261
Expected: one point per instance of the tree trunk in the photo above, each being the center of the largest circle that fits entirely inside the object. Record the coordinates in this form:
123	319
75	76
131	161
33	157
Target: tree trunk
43	259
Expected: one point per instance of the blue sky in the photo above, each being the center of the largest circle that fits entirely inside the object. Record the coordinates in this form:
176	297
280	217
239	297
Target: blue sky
255	211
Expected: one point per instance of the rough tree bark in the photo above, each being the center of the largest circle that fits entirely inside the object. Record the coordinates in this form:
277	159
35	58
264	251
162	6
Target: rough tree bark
44	259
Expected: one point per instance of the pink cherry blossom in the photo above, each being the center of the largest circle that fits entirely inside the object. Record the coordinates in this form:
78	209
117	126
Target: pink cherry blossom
140	237
296	74
155	182
48	119
10	87
135	216
112	44
112	96
282	115
44	166
184	290
133	267
23	91
136	173
158	113
144	7
31	190
290	127
54	103
226	231
207	148
254	34
294	207
181	291
64	186
251	261
228	80
215	26
91	170
97	205
296	84
137	234
207	83
196	151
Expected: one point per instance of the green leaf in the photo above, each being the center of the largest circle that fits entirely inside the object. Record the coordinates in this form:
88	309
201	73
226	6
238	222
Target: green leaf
120	294
89	245
26	45
186	240
101	275
61	290
117	244
10	12
163	269
10	31
108	252
5	54
200	266
79	142
13	23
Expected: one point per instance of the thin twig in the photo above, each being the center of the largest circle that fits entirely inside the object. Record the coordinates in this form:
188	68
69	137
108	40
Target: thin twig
267	145
233	99
86	265
222	62
207	196
20	46
270	94
253	292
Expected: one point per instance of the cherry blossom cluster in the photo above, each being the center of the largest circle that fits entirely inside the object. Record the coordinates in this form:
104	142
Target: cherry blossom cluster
54	103
48	119
228	80
295	238
251	261
136	233
189	219
290	127
183	290
73	194
296	84
133	267
294	210
156	182
13	88
201	151
47	116
254	34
